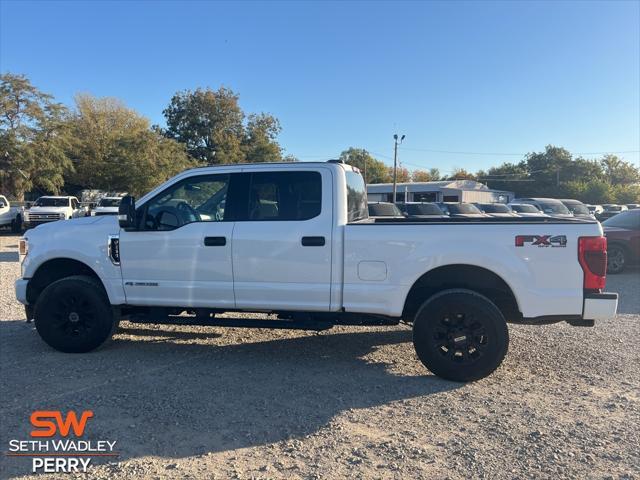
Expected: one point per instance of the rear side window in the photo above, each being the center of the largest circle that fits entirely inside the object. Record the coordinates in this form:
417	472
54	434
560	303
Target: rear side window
356	197
281	196
629	220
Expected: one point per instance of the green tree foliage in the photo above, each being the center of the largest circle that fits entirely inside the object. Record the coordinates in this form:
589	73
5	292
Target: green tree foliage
211	124
377	171
259	143
113	148
33	138
461	174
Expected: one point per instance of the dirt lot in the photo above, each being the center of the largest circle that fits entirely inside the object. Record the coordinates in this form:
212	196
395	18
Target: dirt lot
350	402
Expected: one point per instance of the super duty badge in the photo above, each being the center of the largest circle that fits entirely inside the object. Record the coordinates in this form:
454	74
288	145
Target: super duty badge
541	240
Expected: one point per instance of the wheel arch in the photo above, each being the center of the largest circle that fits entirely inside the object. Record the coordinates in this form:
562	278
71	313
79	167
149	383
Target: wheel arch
455	276
56	269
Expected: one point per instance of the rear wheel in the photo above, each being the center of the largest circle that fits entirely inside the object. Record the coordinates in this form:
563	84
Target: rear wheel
460	335
616	259
73	315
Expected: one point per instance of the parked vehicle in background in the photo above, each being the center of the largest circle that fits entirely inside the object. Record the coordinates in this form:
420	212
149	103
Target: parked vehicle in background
51	209
632	206
527	210
461	210
106	206
384	209
578	208
421	210
611	210
550	206
595	209
11	216
313	257
496	210
623	240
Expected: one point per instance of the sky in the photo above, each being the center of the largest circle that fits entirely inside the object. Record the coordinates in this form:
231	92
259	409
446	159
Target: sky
470	84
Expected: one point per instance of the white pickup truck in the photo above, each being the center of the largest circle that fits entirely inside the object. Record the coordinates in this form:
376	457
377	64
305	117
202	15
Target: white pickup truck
51	209
295	239
11	216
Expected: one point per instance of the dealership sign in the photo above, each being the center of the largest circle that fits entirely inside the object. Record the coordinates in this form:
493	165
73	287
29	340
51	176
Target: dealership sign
69	454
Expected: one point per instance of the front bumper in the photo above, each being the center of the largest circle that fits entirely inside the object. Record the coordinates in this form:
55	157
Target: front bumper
599	306
21	290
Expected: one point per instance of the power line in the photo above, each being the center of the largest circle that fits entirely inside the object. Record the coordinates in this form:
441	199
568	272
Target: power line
508	154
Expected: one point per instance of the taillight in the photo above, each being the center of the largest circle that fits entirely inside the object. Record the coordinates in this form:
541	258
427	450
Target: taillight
592	255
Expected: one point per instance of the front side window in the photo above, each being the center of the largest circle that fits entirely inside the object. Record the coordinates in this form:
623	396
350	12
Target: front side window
194	199
281	196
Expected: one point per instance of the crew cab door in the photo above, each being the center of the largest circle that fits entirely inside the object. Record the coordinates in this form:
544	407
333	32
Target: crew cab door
180	253
282	240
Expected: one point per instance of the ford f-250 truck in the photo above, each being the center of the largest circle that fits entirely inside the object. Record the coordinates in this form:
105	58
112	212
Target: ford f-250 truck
295	239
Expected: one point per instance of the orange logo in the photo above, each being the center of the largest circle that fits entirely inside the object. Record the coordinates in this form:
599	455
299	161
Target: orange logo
48	422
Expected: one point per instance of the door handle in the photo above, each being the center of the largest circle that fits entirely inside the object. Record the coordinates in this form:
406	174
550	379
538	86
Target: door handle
215	241
313	241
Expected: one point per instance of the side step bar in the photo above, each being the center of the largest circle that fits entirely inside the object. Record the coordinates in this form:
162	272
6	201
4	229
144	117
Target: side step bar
232	322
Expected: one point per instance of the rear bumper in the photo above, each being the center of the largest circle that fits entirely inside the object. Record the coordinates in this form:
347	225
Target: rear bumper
21	290
599	306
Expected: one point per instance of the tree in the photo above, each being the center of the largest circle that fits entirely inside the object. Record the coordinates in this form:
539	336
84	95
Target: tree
260	139
461	174
432	175
619	172
377	171
33	138
114	149
210	123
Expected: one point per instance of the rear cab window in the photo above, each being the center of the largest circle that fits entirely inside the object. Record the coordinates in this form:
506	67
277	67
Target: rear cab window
356	197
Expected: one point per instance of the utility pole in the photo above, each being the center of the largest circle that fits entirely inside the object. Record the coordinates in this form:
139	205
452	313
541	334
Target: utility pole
395	163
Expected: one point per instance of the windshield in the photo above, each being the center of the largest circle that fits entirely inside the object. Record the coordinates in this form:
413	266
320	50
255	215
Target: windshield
109	202
555	208
356	197
524	209
578	208
629	219
613	208
422	209
463	208
384	210
51	202
495	208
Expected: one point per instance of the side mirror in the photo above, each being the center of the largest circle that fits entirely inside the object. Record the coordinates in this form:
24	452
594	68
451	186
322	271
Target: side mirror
127	212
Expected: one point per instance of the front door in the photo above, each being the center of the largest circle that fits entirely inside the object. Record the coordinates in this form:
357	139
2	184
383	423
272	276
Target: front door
282	241
180	254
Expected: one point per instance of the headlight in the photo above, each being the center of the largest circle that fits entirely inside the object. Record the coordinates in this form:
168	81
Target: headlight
23	247
62	216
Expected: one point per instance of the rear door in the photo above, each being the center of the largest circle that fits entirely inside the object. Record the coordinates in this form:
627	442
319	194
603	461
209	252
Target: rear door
282	240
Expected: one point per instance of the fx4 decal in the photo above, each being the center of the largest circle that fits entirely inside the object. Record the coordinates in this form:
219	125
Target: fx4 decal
541	240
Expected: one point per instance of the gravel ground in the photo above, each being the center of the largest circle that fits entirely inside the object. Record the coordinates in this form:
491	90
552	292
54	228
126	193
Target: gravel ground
196	402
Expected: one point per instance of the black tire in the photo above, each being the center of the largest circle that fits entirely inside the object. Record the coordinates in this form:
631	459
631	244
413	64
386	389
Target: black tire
460	335
73	315
16	225
616	259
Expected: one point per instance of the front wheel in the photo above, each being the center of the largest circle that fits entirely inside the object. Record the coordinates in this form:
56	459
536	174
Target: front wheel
73	315
616	259
460	335
16	225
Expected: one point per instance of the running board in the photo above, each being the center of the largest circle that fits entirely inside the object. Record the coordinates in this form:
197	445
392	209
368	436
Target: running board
232	322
